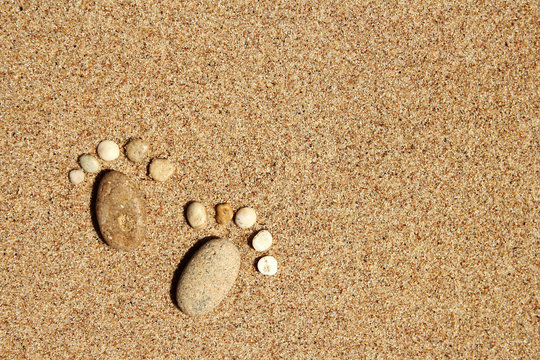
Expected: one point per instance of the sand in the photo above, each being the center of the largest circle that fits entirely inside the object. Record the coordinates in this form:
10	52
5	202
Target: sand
391	149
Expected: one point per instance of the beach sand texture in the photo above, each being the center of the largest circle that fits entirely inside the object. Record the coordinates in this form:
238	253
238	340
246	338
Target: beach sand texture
392	150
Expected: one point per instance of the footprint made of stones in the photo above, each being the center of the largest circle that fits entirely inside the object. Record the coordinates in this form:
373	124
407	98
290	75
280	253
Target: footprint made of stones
209	271
210	267
118	207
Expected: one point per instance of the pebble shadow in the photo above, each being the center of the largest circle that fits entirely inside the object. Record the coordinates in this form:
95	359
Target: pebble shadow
182	265
256	261
250	238
93	199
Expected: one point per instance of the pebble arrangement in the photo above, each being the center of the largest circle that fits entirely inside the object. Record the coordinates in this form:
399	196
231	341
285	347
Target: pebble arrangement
245	217
136	151
120	211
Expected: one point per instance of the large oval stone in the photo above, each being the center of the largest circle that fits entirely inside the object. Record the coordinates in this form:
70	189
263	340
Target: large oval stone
120	211
208	277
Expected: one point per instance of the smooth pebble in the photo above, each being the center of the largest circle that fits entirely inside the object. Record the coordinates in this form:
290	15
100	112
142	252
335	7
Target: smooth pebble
245	217
137	150
208	277
89	163
108	150
161	169
120	211
262	240
267	265
224	213
76	176
196	215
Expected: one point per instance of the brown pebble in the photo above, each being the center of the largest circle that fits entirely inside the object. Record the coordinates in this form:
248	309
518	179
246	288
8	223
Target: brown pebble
224	213
208	277
120	211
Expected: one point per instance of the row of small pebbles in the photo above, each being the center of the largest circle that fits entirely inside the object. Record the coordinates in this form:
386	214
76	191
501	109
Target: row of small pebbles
197	217
136	151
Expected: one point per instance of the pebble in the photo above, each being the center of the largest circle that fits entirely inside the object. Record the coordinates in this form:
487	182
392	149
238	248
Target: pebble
108	150
76	176
161	169
120	211
137	150
267	265
208	277
224	213
196	215
262	240
89	163
245	217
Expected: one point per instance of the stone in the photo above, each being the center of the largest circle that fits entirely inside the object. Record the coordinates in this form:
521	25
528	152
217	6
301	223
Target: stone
224	213
245	217
208	277
267	265
89	163
108	150
262	240
137	150
120	211
196	215
161	169
76	176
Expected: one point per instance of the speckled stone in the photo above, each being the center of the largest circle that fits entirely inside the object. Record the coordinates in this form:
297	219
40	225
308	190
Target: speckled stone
137	150
120	211
161	169
208	277
224	213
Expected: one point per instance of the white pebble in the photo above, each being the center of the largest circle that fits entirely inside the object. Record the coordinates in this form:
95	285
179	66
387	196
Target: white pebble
196	215
245	217
267	265
262	241
76	176
161	169
108	150
89	163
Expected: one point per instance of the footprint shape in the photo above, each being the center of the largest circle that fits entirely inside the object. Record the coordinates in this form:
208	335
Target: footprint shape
117	205
119	218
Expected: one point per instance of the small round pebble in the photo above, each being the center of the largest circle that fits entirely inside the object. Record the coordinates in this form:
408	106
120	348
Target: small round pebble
161	169
224	213
137	150
267	265
262	241
245	217
196	215
108	150
89	163
76	176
